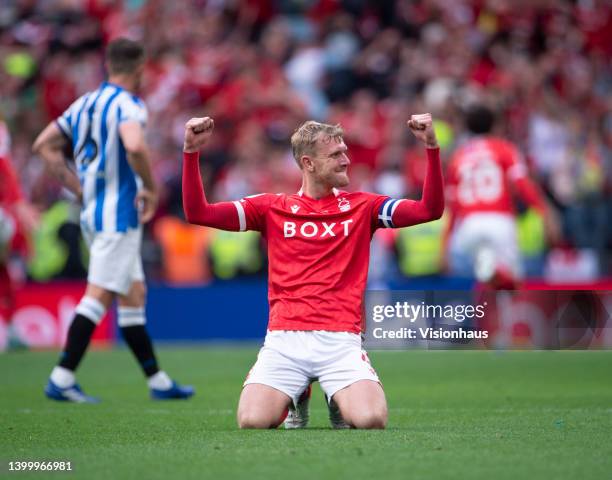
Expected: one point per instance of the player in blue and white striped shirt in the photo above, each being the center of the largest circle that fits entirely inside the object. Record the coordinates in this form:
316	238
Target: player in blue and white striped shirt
113	181
109	185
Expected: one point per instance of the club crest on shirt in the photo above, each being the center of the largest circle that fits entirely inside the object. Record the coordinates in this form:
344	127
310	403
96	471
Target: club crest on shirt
294	208
343	204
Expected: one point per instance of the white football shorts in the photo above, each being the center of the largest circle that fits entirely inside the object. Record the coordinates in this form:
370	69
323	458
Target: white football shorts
477	231
114	259
290	360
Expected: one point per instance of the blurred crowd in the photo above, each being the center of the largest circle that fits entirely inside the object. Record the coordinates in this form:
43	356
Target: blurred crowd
261	67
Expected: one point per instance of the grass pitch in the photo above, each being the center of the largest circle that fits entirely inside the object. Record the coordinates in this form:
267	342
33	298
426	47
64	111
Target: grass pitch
452	414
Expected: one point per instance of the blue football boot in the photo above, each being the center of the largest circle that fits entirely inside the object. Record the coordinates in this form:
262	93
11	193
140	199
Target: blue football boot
68	394
175	392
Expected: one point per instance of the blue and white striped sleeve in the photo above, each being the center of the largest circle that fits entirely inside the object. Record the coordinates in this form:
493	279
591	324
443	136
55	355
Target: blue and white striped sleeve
64	121
385	212
133	109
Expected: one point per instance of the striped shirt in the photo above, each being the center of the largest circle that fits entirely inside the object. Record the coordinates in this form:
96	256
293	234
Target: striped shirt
108	182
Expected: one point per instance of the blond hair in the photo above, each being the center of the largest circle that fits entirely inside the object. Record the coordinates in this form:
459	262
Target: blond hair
304	139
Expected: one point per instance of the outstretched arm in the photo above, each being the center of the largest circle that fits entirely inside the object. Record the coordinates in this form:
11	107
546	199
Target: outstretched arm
431	205
223	215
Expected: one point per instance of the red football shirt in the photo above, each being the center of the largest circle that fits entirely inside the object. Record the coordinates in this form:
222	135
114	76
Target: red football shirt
318	249
319	253
10	191
480	174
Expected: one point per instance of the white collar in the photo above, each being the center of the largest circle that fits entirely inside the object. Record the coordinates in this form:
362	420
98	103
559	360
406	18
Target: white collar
335	191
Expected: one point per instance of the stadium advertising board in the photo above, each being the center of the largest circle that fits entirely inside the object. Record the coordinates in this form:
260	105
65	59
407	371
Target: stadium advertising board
43	314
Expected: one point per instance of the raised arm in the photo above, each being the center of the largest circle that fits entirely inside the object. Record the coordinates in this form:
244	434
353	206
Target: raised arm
223	215
431	205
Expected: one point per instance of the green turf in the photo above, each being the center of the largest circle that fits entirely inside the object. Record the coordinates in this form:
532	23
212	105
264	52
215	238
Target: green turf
452	415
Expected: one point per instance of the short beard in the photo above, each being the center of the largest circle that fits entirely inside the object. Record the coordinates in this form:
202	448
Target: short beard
332	180
339	181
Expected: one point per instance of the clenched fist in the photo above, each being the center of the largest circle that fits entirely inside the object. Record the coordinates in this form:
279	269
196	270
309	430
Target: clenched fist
422	128
197	133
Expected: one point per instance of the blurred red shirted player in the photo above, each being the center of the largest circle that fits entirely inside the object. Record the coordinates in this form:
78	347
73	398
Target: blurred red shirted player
482	176
318	246
16	217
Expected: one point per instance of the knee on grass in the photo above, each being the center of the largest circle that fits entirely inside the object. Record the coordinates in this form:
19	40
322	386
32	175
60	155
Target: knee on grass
253	420
372	419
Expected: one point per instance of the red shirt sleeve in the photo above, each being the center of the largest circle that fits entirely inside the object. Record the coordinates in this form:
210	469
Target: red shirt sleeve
10	191
394	213
238	216
222	215
255	209
513	160
517	171
377	201
530	194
